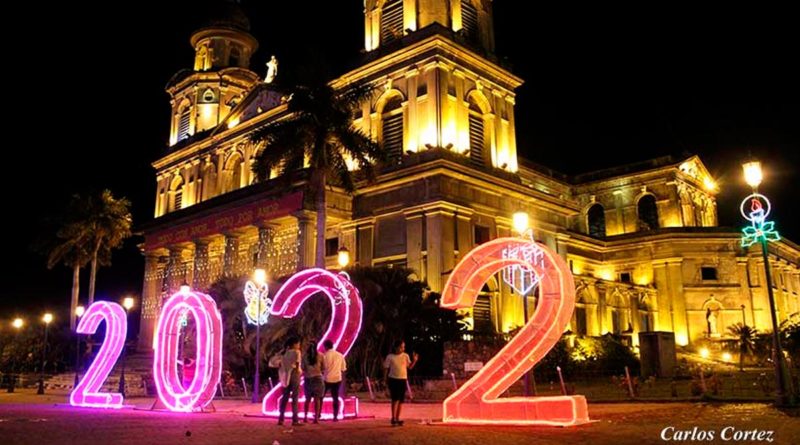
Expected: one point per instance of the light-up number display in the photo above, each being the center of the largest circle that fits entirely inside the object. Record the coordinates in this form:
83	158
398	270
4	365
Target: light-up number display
87	392
208	359
342	330
478	400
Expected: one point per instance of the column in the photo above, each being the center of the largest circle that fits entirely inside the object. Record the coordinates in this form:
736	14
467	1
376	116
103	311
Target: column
266	240
307	248
231	252
675	286
663	321
200	272
440	247
414	236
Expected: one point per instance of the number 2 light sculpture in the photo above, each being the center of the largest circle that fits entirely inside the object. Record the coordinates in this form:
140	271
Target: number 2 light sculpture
342	330
478	400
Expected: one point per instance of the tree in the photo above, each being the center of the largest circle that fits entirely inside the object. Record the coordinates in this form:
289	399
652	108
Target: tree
746	336
107	221
318	134
66	243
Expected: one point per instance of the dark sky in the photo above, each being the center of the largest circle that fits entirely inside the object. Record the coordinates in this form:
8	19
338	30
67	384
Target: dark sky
604	86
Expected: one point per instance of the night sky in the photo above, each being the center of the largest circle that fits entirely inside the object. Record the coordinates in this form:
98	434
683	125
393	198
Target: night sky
603	87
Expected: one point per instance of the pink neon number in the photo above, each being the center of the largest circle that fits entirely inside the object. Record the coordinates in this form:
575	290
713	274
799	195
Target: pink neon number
477	401
208	359
87	392
342	330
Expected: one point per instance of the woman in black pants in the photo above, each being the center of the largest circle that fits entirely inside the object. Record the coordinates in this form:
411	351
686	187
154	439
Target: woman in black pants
395	374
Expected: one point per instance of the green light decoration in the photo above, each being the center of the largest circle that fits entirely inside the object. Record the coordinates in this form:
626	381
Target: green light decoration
760	229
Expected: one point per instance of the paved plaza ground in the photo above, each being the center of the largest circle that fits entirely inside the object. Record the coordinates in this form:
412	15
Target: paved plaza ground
26	418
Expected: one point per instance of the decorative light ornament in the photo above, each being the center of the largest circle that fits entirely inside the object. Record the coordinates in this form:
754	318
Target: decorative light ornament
343	329
256	296
478	400
760	229
87	392
208	359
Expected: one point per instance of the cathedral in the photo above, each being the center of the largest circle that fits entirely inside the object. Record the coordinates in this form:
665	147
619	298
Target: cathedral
642	240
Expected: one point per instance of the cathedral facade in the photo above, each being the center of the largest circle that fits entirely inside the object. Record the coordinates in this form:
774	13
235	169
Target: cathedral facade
642	240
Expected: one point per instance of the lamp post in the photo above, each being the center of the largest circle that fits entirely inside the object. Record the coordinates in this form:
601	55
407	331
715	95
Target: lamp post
78	314
762	231
127	303
744	320
17	324
521	224
48	317
257	289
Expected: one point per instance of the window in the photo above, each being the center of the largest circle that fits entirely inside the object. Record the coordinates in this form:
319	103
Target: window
708	273
476	135
596	218
331	246
183	123
209	96
648	213
179	199
392	129
422	88
481	235
580	320
469	20
236	56
482	314
391	21
625	277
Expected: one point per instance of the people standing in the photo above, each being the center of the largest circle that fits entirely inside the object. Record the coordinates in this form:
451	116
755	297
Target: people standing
313	385
333	365
395	375
289	374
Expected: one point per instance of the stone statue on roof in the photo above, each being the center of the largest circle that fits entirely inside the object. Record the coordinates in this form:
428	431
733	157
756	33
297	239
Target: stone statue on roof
272	70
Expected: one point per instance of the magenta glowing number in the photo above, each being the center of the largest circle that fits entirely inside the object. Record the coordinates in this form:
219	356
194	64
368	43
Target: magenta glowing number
87	392
342	330
478	400
208	358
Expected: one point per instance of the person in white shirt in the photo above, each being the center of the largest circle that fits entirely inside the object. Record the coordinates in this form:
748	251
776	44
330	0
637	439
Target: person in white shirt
333	365
395	374
289	374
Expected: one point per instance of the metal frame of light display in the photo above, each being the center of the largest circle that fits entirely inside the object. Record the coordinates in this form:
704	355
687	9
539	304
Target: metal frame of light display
87	392
478	400
343	329
208	321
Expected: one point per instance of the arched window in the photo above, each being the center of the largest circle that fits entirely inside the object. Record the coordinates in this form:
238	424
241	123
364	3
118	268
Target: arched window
184	119
391	21
596	218
176	190
469	20
392	129
233	173
482	311
477	138
209	181
648	213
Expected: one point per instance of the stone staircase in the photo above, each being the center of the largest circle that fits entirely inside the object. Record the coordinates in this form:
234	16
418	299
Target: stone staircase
138	374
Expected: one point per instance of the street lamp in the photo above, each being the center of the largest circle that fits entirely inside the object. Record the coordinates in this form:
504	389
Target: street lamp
78	313
255	292
744	320
48	317
521	223
17	324
127	303
762	231
343	257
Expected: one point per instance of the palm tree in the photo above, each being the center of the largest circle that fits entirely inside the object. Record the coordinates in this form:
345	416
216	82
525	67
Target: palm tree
107	221
69	247
746	336
318	134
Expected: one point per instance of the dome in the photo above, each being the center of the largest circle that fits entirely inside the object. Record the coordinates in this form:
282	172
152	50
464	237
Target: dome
225	14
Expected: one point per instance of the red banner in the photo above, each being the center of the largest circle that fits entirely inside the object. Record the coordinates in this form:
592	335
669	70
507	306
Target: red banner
230	219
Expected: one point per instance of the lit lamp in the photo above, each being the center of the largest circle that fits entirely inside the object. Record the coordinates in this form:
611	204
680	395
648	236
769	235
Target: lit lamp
47	318
762	231
521	222
78	313
127	303
17	324
343	257
257	289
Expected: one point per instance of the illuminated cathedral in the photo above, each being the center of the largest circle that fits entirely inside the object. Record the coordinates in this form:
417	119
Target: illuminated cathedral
642	240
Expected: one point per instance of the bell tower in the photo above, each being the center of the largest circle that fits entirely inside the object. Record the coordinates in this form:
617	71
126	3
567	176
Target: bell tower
439	83
202	97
